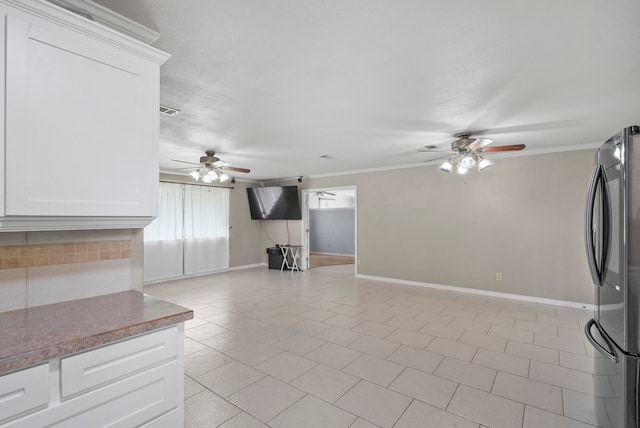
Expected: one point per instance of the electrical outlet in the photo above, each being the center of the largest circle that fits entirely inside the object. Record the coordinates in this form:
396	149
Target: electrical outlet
498	276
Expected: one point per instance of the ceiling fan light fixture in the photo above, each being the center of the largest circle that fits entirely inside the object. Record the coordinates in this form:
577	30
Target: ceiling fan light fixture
467	162
195	174
223	177
484	164
446	166
461	170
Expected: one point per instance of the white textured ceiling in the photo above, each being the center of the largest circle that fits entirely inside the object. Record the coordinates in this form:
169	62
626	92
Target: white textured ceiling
274	85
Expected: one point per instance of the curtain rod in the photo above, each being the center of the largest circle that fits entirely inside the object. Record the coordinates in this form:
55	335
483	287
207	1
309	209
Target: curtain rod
201	185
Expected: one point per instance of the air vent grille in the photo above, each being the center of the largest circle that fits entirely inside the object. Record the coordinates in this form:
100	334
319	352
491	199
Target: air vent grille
169	111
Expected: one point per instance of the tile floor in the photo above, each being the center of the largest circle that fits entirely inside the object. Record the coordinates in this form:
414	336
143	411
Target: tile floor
323	349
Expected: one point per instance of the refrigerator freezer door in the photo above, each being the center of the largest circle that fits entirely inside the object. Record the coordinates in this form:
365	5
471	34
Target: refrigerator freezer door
615	380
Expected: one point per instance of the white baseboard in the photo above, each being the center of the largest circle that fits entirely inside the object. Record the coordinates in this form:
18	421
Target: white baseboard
519	297
255	265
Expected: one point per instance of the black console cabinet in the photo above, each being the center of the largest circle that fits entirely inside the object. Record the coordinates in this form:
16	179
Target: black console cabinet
275	257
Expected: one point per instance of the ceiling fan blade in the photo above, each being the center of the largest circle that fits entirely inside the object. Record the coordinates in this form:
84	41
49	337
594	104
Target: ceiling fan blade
435	159
192	163
235	169
182	169
480	143
510	148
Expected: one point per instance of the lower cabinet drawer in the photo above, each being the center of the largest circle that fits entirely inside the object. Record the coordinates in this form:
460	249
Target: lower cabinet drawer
131	402
91	369
24	391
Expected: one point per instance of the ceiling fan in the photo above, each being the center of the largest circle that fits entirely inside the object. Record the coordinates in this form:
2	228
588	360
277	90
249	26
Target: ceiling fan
466	153
322	194
211	168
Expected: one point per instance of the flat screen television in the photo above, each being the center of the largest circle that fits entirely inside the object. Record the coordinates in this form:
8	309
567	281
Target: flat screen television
274	203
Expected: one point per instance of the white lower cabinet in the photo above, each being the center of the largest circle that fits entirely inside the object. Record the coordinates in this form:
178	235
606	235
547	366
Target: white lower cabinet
137	382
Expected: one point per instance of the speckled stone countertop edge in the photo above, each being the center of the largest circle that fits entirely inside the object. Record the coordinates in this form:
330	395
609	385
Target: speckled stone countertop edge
172	314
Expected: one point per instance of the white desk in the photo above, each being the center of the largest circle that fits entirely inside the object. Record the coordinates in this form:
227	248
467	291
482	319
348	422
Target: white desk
290	252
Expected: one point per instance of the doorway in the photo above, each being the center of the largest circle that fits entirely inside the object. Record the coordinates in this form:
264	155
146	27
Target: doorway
329	227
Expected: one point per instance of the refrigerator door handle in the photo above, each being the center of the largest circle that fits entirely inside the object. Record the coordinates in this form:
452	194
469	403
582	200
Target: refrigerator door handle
609	353
596	274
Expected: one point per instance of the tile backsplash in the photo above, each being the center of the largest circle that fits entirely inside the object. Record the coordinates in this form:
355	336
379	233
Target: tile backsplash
38	268
25	256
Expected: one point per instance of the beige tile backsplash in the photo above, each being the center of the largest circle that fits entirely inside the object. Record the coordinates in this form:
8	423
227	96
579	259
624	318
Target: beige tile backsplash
46	267
26	256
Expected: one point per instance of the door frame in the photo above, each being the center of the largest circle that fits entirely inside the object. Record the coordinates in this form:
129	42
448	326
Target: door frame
304	259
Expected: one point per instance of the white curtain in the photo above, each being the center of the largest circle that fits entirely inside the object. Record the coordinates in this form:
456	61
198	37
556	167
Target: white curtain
206	229
190	235
168	225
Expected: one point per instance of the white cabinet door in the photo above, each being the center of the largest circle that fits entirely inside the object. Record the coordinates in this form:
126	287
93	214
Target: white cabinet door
81	123
23	391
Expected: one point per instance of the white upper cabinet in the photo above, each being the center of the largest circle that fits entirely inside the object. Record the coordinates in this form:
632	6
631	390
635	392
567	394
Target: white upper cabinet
81	122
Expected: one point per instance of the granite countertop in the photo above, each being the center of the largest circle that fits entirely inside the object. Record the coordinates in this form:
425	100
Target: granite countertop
37	334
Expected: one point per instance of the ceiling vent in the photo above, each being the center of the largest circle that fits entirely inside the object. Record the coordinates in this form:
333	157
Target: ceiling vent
169	111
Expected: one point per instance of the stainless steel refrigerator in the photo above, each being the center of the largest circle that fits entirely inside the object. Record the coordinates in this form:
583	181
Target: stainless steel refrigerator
612	235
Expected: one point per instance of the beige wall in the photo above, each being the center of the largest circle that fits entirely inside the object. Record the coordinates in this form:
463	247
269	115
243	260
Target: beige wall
523	218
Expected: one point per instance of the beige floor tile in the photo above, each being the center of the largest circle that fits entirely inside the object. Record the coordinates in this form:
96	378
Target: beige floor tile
511	333
243	420
460	313
466	373
204	331
191	387
470	325
484	341
416	358
404	311
375	306
300	344
375	316
253	353
325	382
538	394
558	321
429	308
228	340
442	331
374	369
191	346
533	352
374	346
524	316
458	350
420	415
285	366
450	302
563	377
311	412
503	362
406	323
200	362
266	398
374	403
349	310
206	409
434	318
224	318
496	319
317	314
536	418
560	344
340	336
344	321
425	387
410	338
486	409
333	355
550	330
582	407
323	304
374	329
283	320
361	423
309	327
230	378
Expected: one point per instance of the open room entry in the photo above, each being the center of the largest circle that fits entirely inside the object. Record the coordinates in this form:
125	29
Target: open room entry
329	227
